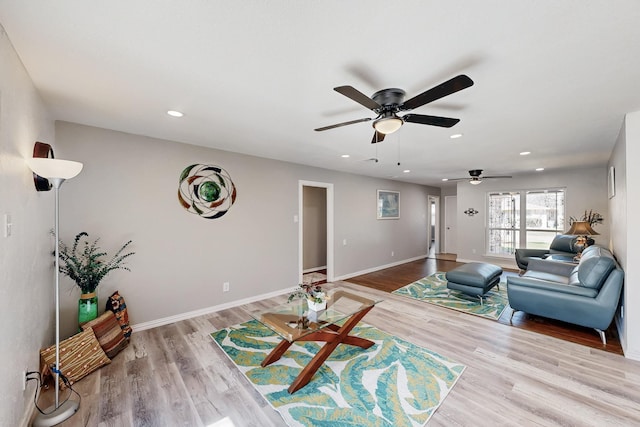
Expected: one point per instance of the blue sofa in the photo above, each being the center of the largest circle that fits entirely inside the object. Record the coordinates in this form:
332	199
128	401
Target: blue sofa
562	248
586	294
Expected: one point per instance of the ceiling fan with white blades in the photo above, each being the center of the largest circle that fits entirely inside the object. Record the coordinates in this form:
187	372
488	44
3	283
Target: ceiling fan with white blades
387	103
475	177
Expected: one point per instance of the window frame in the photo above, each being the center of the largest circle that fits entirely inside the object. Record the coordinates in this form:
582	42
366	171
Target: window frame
520	240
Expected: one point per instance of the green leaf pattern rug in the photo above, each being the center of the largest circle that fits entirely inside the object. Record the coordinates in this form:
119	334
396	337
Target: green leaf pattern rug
433	289
392	383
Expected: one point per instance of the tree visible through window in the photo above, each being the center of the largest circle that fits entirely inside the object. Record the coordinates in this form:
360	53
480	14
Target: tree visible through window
543	218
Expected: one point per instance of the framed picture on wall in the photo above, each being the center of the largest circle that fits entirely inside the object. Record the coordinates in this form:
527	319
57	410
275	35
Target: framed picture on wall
388	204
611	182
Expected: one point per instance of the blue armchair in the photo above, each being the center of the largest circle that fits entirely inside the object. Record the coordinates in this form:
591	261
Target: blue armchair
562	248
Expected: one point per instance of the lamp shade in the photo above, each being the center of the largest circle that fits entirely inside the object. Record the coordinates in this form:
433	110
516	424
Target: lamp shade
581	228
54	168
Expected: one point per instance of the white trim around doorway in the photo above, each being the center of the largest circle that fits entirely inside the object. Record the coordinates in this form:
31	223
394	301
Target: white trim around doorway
329	188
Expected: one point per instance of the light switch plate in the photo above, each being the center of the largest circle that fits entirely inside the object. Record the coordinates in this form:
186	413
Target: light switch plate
7	225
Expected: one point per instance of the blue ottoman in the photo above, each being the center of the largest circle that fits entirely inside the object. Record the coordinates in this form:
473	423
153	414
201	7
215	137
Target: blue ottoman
474	278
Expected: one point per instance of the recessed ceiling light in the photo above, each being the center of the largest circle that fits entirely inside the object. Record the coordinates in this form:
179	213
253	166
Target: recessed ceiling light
406	171
539	169
345	156
456	135
445	179
525	153
174	113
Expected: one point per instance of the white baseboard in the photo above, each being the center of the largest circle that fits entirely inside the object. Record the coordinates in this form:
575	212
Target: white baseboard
381	267
314	269
629	353
207	310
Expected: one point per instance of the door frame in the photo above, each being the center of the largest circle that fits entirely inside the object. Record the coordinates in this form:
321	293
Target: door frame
329	189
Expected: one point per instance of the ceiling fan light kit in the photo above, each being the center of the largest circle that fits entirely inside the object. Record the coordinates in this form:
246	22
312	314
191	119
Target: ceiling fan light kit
387	103
387	125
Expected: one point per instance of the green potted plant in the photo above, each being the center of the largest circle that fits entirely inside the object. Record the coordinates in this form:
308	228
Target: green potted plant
315	296
86	264
591	217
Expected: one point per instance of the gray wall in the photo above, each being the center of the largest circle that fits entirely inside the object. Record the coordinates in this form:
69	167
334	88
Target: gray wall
26	269
623	207
128	190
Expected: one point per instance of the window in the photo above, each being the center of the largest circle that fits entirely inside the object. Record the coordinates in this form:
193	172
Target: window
535	226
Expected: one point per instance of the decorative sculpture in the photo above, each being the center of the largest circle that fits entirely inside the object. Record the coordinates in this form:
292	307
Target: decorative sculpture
206	190
471	212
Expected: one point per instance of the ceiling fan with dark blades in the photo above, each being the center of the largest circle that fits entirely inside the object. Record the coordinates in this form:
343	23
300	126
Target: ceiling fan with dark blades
387	103
475	177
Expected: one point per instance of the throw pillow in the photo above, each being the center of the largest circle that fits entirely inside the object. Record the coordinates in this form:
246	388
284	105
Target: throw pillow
80	355
116	304
108	332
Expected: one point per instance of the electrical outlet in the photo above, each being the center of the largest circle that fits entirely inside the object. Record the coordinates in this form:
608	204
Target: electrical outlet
225	287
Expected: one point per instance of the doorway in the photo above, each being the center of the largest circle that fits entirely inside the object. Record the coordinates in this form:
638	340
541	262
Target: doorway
315	228
433	225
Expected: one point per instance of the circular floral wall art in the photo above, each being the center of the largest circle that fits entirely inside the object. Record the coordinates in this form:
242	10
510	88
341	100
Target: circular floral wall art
206	190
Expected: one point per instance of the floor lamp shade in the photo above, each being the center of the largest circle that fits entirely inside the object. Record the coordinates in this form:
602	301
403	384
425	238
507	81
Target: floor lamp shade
54	168
56	171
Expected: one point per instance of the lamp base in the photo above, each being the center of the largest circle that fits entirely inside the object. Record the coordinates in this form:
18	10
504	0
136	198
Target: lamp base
54	416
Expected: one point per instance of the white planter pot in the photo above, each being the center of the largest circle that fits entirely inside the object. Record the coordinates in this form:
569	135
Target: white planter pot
316	306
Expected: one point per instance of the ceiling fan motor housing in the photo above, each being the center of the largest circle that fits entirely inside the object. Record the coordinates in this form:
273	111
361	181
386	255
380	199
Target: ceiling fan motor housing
389	99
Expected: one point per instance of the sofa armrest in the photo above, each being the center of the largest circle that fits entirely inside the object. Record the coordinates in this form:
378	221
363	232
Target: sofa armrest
554	267
524	253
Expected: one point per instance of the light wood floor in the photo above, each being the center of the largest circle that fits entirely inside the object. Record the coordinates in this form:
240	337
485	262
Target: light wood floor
175	375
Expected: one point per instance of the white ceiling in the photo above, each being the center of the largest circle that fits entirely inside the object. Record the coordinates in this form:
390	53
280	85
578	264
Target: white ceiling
551	77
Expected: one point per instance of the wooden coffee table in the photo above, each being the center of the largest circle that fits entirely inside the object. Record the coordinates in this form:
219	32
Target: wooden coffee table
294	322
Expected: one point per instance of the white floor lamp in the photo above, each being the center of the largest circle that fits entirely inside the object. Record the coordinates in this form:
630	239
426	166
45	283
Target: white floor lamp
56	171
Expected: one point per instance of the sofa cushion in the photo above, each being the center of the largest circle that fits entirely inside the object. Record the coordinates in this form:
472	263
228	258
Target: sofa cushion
108	332
594	268
80	355
546	276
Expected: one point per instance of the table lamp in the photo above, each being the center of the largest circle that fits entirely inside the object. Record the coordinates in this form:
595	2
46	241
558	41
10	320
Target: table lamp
583	230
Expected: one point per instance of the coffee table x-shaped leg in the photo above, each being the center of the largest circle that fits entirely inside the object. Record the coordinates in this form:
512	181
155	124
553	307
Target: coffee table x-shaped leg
332	335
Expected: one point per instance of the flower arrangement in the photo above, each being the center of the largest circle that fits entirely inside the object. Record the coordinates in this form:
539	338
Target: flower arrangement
310	292
85	265
591	217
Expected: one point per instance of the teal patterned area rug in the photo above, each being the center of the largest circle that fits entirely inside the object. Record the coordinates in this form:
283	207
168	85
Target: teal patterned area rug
433	289
392	383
